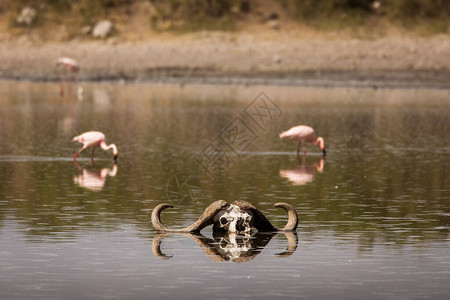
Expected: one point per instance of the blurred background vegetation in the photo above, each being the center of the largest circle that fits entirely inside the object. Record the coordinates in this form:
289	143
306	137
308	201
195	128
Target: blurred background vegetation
427	16
413	14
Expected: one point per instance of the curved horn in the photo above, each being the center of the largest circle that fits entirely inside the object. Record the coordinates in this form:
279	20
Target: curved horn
205	219
156	246
261	223
208	246
292	222
156	217
292	244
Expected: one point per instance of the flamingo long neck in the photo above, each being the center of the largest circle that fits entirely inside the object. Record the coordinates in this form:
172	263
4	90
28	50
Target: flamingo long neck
320	142
105	147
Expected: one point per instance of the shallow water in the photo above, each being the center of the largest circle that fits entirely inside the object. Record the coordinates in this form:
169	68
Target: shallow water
374	215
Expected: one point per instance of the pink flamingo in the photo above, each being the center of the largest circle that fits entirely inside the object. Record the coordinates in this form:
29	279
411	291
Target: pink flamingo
304	134
71	67
93	139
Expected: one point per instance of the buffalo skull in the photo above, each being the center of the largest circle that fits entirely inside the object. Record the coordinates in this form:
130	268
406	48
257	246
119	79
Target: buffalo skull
239	217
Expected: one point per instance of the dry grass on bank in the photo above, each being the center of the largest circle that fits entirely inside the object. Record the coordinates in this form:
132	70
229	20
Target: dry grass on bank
137	20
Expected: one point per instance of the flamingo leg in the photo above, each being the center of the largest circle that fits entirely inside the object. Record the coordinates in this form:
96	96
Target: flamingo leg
92	155
61	86
304	150
298	148
69	82
76	154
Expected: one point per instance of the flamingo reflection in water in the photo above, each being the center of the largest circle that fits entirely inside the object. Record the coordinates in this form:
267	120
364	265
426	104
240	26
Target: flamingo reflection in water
72	69
303	174
233	247
93	179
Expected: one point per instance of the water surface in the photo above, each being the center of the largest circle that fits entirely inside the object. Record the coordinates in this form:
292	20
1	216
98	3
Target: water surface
374	214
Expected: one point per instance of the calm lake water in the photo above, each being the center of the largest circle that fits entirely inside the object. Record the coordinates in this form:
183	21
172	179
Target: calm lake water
374	215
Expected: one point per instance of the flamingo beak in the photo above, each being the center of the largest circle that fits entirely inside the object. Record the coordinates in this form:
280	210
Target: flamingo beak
324	152
115	158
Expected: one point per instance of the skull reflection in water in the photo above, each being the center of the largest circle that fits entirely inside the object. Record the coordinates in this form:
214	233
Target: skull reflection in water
235	220
240	230
234	246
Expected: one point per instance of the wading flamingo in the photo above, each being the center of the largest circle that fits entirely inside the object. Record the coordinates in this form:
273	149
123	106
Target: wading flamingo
93	139
304	134
72	68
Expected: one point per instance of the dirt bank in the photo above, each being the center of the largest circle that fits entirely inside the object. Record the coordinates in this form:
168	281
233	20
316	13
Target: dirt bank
273	57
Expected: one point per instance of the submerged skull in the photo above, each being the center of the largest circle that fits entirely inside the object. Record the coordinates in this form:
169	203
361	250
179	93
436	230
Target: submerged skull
235	220
238	217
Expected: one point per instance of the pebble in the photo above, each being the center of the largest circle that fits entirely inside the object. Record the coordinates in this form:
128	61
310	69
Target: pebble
102	29
27	16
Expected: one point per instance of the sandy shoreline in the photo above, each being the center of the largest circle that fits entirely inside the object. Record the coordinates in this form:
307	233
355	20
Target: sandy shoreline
240	59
